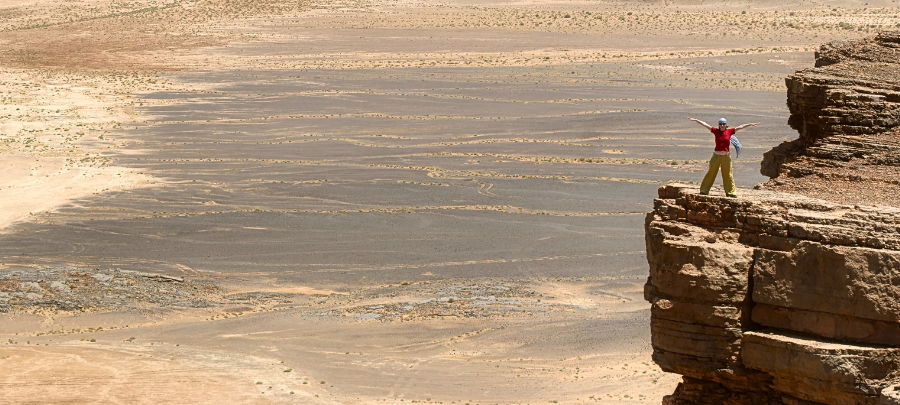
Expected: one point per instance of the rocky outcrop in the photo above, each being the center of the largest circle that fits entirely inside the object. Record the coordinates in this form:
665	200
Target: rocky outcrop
774	298
790	294
846	110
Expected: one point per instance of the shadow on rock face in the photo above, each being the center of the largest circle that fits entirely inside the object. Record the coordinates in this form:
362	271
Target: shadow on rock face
846	110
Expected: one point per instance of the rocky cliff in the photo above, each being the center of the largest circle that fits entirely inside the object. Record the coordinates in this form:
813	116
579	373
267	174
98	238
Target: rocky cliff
846	110
777	297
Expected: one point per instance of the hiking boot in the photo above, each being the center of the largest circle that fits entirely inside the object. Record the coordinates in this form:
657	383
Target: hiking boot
706	193
731	195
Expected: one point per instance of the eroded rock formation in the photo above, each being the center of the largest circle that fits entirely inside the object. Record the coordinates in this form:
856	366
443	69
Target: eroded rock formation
846	110
774	298
781	298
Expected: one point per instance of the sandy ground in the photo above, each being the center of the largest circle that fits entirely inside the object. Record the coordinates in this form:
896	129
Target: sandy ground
52	146
362	201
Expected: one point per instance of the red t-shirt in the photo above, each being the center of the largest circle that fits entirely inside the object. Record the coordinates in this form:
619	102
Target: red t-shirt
723	138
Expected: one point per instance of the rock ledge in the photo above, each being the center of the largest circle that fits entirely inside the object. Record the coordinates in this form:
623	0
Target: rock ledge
791	293
847	112
774	298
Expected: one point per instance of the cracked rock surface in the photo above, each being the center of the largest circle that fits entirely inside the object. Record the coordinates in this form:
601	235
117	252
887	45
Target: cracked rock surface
774	298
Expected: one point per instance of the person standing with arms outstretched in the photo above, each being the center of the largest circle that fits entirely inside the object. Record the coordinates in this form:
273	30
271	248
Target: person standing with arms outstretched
721	157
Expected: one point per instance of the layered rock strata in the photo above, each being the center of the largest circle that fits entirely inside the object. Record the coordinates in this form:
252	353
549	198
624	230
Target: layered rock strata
846	110
774	298
778	297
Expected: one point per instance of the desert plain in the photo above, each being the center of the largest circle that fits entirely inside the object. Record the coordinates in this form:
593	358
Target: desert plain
357	202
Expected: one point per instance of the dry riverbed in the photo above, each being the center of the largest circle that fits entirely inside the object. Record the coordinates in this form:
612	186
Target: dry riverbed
362	202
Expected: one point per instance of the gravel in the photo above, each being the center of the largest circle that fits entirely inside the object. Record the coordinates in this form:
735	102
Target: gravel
76	289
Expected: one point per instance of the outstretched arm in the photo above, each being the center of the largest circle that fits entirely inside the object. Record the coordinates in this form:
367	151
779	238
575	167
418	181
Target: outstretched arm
701	123
740	127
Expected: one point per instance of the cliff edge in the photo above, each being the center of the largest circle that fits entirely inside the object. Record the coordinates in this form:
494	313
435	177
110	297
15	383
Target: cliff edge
847	110
790	294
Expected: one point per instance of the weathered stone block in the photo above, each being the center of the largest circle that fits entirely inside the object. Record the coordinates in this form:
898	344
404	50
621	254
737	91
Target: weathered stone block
691	366
708	210
698	272
721	316
694	391
814	370
852	281
668	209
709	342
670	191
828	325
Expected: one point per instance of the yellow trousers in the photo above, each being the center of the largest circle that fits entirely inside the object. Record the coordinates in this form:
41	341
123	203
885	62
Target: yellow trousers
716	162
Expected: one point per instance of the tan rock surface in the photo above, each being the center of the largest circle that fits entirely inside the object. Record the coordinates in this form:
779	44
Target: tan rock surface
810	269
846	110
828	325
821	371
849	281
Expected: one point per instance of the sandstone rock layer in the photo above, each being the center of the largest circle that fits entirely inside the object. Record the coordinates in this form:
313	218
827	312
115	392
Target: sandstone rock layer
774	298
847	112
791	293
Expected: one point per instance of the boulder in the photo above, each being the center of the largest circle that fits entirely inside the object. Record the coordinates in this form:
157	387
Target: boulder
817	370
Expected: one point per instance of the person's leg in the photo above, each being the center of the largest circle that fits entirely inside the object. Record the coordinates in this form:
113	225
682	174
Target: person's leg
728	176
710	177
